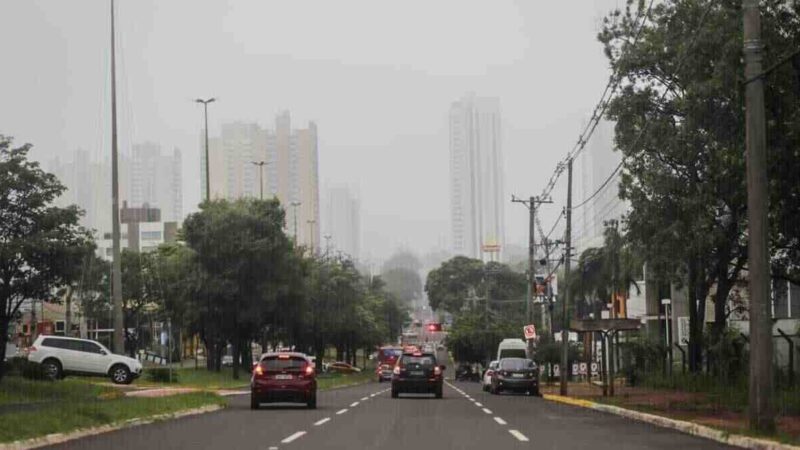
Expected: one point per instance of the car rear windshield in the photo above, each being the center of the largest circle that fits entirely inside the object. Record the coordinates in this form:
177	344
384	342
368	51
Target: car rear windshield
516	364
418	361
274	363
389	352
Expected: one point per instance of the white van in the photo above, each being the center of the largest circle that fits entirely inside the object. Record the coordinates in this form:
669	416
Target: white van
512	348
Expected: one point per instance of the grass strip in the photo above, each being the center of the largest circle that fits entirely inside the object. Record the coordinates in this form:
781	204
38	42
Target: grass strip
79	408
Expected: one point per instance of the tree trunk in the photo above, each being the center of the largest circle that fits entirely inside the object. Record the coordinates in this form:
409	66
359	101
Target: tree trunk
3	341
695	333
236	351
68	312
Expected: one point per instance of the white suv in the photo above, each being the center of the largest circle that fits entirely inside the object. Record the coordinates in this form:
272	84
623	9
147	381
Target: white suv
62	355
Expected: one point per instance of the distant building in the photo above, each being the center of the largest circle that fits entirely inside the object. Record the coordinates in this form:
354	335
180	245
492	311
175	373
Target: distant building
155	179
141	230
291	173
342	220
477	182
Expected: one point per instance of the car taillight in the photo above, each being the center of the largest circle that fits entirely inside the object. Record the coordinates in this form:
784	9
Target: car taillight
31	349
259	370
396	370
309	370
437	370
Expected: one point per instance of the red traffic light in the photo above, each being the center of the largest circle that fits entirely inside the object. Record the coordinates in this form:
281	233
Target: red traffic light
434	326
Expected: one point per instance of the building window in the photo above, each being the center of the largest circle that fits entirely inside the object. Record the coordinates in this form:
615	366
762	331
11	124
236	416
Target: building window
151	235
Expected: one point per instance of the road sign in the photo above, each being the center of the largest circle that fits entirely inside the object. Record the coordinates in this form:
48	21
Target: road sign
594	368
530	331
574	368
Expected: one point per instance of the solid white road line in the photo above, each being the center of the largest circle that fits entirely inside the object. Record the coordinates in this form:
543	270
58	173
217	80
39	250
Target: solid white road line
500	421
363	399
487	411
520	437
354	404
341	411
320	422
293	437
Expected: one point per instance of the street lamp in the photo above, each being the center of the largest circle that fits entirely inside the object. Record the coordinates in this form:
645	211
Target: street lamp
208	167
260	165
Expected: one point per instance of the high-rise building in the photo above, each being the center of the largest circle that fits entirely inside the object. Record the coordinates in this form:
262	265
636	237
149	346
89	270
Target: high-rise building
154	179
342	220
290	172
477	209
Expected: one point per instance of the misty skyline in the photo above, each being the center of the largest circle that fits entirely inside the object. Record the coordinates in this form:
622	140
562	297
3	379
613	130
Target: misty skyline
377	79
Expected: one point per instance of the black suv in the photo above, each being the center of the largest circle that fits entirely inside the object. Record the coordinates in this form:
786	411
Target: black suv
417	373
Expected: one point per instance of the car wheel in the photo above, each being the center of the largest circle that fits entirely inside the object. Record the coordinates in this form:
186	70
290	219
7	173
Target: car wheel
438	392
120	375
52	369
312	402
254	404
395	394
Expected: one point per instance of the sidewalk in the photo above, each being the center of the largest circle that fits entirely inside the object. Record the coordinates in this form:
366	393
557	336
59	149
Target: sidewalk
698	408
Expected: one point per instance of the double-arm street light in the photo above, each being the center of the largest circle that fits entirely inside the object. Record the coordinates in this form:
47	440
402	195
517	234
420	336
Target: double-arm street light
208	167
260	165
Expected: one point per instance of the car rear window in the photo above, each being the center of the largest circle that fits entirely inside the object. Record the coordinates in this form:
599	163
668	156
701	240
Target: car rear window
418	361
389	352
292	363
516	364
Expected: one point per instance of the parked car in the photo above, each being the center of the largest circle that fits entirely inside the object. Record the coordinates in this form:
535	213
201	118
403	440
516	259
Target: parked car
283	377
60	356
342	367
486	379
516	375
417	373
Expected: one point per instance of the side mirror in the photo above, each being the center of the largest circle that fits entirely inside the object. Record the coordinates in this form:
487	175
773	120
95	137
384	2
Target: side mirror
103	352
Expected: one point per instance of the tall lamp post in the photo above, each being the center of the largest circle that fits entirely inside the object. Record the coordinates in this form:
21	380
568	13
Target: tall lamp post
208	167
260	165
295	204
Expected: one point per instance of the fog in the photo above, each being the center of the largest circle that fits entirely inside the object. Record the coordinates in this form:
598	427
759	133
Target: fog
378	78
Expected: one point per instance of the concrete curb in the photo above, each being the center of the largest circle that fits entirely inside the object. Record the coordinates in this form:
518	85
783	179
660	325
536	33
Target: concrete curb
60	438
683	426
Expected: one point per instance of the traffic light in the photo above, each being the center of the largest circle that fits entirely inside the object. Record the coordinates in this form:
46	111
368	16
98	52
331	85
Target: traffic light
432	327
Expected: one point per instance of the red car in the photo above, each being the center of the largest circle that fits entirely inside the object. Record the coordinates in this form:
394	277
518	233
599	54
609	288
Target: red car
283	377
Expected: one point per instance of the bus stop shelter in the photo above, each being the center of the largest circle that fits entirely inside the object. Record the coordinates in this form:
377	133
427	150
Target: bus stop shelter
607	328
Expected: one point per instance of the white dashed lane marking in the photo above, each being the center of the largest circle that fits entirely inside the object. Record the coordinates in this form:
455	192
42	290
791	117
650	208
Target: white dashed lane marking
479	405
500	421
487	411
354	404
320	422
341	411
363	399
520	437
293	437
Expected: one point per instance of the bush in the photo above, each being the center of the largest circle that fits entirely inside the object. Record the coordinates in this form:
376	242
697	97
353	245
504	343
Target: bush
162	375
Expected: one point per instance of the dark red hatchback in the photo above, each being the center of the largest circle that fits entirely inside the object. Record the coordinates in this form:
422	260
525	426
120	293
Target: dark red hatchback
283	377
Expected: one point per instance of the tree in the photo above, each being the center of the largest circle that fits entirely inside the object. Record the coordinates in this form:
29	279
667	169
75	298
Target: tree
403	283
40	244
457	279
402	259
242	250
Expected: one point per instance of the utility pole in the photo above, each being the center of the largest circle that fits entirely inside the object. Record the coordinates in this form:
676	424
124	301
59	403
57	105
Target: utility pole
564	370
116	264
532	203
208	167
260	165
760	410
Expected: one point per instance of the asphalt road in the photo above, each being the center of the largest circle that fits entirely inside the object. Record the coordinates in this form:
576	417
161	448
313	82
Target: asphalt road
366	417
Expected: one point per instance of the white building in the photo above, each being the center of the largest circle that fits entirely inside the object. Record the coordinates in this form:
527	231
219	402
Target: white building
342	220
477	185
155	179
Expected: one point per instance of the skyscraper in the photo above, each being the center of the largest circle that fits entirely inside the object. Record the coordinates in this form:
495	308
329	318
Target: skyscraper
342	220
291	172
477	209
155	179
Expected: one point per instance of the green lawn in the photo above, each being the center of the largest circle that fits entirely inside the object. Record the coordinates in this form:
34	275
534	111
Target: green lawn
201	378
73	404
329	381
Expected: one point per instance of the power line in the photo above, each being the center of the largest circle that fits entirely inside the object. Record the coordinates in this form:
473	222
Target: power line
597	113
646	123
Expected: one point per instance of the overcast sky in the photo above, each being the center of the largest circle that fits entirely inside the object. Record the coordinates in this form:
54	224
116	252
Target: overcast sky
378	77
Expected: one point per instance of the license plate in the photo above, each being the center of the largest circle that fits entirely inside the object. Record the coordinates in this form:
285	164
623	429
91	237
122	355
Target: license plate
283	377
517	375
416	373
